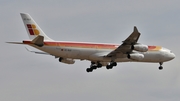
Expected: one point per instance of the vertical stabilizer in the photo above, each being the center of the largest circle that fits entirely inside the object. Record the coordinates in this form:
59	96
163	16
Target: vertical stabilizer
32	28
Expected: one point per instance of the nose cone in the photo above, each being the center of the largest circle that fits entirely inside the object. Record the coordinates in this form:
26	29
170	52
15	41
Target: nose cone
172	56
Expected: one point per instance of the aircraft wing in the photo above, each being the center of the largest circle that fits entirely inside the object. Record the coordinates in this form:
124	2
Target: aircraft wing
125	47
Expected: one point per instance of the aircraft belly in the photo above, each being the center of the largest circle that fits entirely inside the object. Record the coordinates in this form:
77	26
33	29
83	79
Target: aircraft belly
86	53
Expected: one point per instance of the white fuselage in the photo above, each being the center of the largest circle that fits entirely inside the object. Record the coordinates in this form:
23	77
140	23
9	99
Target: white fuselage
95	53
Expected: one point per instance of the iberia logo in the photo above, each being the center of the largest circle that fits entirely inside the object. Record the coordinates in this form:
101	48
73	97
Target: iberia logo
32	29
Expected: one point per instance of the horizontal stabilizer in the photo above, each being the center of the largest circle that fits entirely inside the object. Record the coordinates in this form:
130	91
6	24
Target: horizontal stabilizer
15	42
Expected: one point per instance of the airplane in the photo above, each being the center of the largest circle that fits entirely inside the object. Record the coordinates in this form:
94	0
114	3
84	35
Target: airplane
99	54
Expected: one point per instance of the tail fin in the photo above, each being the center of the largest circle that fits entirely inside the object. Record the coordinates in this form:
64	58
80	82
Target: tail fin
32	28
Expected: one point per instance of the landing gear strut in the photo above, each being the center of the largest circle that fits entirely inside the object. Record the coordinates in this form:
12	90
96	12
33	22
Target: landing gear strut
160	67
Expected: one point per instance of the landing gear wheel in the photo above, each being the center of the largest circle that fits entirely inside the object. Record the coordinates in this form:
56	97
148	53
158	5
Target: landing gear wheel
114	64
109	67
89	70
160	67
99	65
94	67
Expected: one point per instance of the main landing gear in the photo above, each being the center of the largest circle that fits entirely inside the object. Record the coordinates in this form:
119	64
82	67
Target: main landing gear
112	64
94	66
160	67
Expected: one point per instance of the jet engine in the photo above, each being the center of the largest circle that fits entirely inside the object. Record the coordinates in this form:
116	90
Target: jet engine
66	60
140	47
135	56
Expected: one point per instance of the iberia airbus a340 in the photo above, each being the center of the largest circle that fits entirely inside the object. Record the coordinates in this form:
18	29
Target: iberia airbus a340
99	54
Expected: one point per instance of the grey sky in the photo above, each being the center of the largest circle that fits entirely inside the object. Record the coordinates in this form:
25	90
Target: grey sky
26	76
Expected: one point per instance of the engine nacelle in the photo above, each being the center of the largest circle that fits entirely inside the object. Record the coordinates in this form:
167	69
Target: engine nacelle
66	60
140	47
135	56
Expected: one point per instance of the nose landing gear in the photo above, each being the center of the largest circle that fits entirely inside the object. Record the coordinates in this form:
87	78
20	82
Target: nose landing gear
160	67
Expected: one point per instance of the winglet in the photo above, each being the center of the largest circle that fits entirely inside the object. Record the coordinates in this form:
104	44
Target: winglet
133	38
135	29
